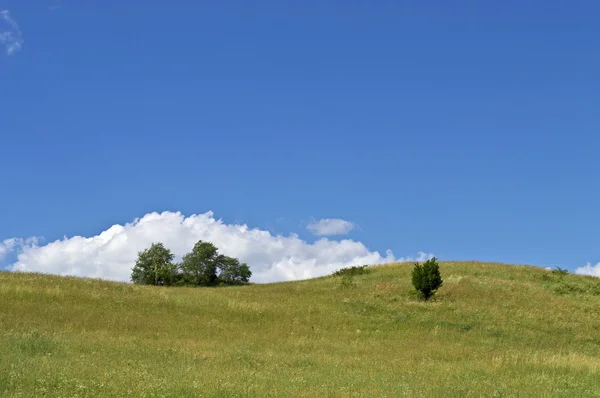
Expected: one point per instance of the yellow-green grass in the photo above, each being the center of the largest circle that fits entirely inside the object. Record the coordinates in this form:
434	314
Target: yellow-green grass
492	330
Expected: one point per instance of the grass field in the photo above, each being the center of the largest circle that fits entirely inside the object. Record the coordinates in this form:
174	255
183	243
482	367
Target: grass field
493	330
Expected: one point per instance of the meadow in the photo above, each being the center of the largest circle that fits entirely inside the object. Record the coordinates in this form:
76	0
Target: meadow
492	330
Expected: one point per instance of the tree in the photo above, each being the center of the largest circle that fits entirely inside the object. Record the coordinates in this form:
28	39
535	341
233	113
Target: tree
233	272
426	278
204	266
154	266
201	264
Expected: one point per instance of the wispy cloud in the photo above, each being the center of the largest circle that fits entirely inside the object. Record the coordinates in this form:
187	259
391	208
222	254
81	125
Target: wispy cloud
6	247
14	244
10	34
330	226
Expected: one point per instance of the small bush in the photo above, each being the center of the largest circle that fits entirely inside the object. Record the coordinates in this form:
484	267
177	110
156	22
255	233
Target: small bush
560	271
426	278
353	271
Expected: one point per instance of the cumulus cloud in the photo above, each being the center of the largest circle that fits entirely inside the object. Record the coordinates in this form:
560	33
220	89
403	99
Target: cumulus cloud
10	34
112	253
330	226
589	269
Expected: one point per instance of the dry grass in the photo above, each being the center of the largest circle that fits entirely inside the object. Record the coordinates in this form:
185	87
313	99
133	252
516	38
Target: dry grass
493	330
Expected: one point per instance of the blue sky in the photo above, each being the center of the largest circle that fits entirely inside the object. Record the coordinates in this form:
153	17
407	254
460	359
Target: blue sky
465	129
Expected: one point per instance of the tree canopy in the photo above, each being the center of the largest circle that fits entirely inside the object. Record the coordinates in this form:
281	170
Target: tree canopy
233	272
203	266
202	263
154	266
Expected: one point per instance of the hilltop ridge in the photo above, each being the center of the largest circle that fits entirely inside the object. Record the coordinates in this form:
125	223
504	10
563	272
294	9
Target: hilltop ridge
492	329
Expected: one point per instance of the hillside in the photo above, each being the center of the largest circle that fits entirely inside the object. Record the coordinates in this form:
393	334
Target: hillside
493	330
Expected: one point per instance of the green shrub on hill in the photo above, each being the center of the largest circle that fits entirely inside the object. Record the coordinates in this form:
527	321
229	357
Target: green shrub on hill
560	271
426	278
353	271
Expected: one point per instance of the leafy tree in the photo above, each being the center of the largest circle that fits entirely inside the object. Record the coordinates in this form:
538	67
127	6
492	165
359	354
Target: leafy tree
203	266
426	278
184	279
154	266
232	271
169	275
200	266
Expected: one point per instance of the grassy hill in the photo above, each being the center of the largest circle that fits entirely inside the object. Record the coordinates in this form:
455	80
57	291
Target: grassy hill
493	330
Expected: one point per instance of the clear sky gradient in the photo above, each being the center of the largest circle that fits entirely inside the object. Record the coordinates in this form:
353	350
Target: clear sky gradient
467	129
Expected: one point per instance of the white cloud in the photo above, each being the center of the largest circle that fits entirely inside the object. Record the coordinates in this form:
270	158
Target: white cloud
112	253
330	226
13	244
11	38
589	269
420	258
6	247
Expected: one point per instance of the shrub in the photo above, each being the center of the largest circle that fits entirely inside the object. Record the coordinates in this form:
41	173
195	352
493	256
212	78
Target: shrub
426	278
560	271
353	271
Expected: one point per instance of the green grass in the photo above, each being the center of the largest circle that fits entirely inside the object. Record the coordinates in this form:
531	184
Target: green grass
493	330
